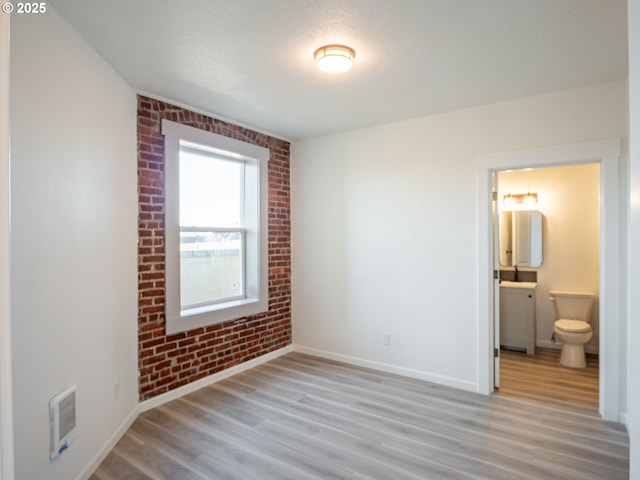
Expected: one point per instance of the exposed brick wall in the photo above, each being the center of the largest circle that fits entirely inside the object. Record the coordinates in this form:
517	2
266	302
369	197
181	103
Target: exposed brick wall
167	362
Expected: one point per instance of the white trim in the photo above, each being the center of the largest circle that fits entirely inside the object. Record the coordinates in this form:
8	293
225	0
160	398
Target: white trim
624	419
212	115
389	368
211	379
6	394
109	445
633	241
612	294
607	154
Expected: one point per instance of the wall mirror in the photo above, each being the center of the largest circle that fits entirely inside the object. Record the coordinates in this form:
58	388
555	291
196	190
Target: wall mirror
520	239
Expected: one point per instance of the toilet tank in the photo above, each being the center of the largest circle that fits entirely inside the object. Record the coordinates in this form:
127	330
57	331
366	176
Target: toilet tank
573	305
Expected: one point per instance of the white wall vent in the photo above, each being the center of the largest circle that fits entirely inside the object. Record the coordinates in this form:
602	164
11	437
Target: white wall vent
62	414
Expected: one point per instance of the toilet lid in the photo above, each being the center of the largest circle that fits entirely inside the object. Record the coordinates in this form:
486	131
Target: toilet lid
577	326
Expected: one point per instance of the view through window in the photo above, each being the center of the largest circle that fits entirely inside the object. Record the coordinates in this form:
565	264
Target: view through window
211	228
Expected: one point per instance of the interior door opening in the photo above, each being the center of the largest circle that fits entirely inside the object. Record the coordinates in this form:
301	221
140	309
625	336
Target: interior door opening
549	243
611	304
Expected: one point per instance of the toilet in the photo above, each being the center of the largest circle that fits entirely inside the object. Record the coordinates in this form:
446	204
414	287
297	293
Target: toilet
573	325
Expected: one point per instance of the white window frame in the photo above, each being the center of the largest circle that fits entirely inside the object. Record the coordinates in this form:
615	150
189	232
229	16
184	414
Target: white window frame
256	298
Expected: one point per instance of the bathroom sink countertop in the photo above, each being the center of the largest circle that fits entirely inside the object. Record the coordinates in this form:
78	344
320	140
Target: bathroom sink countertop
508	284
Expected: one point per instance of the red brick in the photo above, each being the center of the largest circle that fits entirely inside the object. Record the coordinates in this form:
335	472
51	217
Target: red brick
168	362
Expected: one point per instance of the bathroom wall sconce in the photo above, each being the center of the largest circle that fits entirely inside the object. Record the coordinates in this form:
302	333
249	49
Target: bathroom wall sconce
519	201
334	58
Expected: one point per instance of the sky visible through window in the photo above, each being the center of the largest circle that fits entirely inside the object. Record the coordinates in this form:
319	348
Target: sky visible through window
210	191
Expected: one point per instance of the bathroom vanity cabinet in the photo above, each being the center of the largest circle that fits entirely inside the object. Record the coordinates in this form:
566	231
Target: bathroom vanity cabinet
518	316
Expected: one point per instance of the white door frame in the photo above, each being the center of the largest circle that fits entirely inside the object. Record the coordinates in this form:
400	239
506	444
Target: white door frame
612	348
6	412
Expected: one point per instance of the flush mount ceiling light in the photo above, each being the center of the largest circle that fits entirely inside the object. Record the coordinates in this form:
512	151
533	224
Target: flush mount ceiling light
334	58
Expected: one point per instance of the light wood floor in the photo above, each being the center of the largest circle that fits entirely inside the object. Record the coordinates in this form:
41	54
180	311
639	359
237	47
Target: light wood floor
542	377
300	418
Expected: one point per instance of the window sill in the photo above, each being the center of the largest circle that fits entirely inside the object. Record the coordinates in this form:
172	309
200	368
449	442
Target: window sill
198	317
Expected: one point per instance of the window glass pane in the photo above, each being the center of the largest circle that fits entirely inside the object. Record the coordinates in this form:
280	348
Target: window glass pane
210	191
211	267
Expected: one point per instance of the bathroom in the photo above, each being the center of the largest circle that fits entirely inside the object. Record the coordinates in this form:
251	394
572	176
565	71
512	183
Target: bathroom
569	199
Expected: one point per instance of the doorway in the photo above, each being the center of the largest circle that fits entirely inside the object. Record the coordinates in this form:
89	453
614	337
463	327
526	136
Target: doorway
606	153
554	245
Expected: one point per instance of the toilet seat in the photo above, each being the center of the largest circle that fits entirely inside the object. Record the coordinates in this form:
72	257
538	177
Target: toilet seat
573	326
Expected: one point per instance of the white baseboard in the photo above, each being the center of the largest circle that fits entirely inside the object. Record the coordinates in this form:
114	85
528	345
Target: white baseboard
389	368
624	419
113	439
216	377
549	344
172	395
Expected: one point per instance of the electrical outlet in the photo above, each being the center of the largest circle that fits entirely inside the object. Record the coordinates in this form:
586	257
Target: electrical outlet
386	339
116	391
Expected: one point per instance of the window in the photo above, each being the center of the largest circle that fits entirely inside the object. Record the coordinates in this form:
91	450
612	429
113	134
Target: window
215	228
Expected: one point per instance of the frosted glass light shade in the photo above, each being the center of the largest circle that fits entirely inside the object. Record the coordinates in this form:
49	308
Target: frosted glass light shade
334	58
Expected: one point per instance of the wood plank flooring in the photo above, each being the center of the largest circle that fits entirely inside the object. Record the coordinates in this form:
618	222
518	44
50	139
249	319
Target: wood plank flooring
542	377
301	418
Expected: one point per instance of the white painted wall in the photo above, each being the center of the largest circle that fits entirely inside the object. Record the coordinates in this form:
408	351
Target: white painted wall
74	233
6	410
569	199
633	399
385	228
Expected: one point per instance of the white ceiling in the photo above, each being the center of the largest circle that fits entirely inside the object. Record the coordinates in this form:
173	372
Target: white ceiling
250	61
